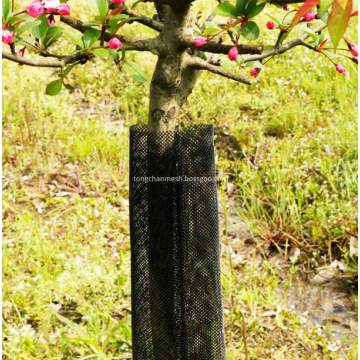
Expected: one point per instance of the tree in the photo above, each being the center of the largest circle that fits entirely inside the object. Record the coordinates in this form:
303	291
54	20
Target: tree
185	47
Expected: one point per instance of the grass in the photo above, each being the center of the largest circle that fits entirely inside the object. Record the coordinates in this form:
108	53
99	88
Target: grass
290	142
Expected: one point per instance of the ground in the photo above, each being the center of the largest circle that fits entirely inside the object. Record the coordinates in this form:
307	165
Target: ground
289	145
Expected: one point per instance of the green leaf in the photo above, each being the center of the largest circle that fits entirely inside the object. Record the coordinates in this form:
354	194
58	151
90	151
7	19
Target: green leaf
210	31
122	23
122	323
101	53
283	36
91	36
40	30
114	54
27	26
228	64
68	322
250	31
136	3
98	7
123	53
308	31
324	7
52	34
69	68
119	17
91	23
14	19
5	8
101	18
135	71
28	39
69	87
226	9
255	64
241	6
338	20
75	38
273	18
54	87
250	8
254	8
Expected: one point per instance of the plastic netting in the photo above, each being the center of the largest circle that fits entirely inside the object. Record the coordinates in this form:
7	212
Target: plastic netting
177	311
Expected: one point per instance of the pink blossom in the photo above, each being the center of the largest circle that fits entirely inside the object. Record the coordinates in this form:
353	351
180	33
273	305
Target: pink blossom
118	1
200	41
7	37
51	6
354	50
352	47
309	16
270	25
51	20
115	43
35	9
355	60
286	7
233	53
63	9
340	69
255	72
21	52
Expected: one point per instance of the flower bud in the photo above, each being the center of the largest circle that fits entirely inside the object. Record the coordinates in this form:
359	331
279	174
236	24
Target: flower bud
286	7
233	53
21	52
115	43
51	6
35	9
118	1
63	9
255	72
51	20
270	25
352	47
309	16
7	37
200	41
340	69
355	60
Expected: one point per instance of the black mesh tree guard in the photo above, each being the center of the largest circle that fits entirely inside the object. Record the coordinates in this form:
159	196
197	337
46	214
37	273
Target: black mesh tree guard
176	280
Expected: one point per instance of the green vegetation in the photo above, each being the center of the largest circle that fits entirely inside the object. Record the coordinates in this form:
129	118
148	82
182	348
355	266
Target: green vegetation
292	148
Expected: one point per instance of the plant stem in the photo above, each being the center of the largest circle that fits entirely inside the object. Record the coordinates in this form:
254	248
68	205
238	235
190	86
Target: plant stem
244	337
21	12
337	49
327	57
223	30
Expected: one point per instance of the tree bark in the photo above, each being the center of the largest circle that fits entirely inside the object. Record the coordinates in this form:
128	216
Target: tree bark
172	82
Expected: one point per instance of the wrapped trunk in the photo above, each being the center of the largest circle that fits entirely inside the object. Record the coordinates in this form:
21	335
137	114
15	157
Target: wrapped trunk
176	281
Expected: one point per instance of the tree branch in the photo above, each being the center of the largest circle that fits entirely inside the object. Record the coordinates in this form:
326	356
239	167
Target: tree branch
276	50
199	64
215	48
164	2
187	41
142	19
283	2
78	25
129	43
43	63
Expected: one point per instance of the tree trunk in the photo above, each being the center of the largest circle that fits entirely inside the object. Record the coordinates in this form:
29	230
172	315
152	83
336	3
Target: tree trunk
177	302
172	83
